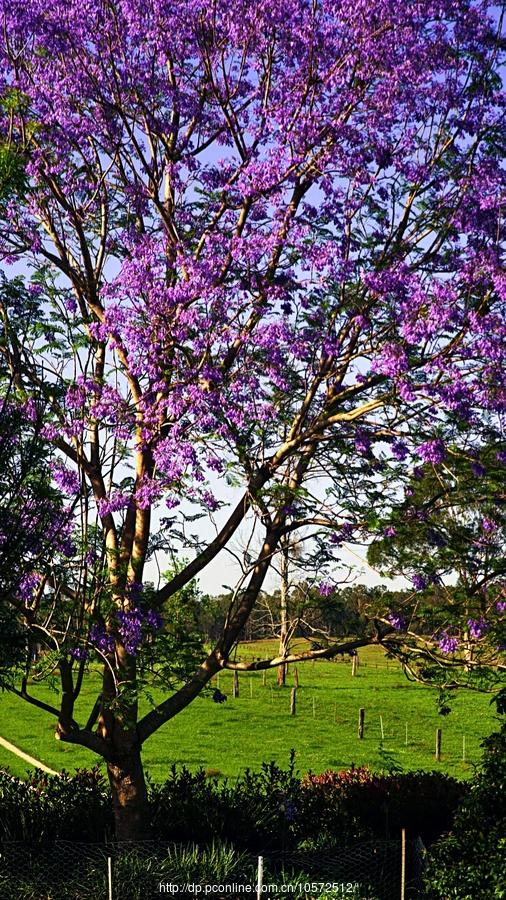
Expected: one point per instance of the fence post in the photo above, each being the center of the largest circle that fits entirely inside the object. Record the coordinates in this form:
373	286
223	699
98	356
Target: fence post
235	685
354	665
260	877
438	743
403	864
296	676
293	701
109	875
382	730
361	718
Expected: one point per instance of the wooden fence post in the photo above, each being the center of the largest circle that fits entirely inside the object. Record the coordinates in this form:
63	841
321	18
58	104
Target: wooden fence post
293	701
361	718
403	864
235	684
438	743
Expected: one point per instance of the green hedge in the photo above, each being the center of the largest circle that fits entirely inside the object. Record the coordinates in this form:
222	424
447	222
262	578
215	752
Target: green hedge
470	862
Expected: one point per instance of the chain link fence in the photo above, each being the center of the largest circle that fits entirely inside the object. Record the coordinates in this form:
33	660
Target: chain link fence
141	871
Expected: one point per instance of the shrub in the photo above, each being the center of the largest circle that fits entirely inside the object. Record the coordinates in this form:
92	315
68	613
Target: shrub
469	864
47	808
187	807
264	808
371	805
268	810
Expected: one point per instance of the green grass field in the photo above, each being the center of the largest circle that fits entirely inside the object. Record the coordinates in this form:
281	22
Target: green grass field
257	726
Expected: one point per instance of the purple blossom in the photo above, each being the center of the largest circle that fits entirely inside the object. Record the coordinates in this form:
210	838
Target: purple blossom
326	588
344	534
154	619
392	361
488	525
501	606
130	629
362	442
477	627
30	410
419	582
132	626
27	586
397	621
399	450
447	643
432	451
478	469
80	653
67	480
115	502
390	531
210	500
100	638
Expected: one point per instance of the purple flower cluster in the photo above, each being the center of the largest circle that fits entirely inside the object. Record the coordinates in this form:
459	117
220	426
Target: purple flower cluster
80	653
478	627
419	582
345	533
447	643
397	621
488	525
132	627
101	639
432	451
392	361
399	450
326	588
27	586
67	480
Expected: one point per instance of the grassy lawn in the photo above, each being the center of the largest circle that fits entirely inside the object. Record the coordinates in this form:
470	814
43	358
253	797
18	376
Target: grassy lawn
257	726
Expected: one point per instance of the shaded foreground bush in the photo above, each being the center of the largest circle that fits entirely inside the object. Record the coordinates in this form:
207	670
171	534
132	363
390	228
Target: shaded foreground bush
470	863
272	809
142	871
79	872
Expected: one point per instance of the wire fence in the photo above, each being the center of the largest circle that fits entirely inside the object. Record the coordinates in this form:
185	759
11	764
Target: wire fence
140	871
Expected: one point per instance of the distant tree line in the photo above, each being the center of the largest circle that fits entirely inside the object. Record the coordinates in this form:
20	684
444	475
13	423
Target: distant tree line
346	612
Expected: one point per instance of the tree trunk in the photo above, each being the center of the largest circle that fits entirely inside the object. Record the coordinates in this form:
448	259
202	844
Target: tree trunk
129	795
283	610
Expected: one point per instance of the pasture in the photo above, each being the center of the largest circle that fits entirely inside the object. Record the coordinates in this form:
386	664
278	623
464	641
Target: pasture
257	726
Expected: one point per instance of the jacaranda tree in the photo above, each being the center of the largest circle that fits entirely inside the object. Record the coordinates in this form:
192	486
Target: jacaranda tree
257	241
448	535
